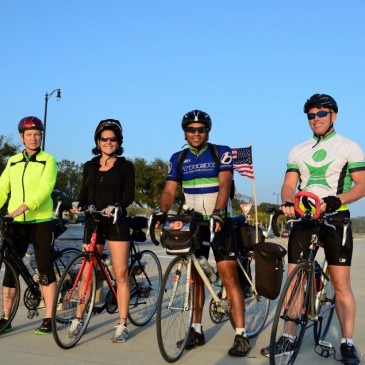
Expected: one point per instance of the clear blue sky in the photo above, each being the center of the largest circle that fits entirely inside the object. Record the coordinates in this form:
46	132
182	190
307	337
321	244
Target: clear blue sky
250	64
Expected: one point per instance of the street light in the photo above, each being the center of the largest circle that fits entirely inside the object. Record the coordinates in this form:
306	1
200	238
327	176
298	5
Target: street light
47	96
277	197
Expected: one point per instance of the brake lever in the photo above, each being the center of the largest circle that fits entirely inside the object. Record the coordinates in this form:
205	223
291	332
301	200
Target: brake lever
211	228
346	222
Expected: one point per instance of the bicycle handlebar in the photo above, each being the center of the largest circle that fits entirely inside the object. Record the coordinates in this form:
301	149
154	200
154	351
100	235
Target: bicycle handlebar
307	194
152	230
91	209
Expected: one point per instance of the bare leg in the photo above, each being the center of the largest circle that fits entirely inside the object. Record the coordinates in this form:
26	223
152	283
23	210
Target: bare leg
119	253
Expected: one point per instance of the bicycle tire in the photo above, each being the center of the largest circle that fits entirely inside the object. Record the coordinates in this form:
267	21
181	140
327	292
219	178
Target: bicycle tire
62	259
256	306
7	265
325	310
144	280
67	299
173	319
292	310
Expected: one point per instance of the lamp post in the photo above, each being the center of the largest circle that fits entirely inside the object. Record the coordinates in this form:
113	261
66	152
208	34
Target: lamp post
47	96
277	197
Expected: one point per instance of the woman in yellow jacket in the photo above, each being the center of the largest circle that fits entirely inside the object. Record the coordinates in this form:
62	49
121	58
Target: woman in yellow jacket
28	181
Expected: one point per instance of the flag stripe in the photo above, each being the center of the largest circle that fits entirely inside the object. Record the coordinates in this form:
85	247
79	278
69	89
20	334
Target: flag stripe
242	161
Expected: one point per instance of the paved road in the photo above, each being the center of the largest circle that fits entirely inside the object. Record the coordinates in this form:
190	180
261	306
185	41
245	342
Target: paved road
22	346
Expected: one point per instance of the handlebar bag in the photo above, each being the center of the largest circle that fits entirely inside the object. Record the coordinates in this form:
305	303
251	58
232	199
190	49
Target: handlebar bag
180	234
269	268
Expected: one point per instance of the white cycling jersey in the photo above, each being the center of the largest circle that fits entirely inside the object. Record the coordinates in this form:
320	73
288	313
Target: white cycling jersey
325	167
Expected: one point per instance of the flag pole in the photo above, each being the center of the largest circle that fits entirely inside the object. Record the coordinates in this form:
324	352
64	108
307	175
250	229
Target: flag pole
255	203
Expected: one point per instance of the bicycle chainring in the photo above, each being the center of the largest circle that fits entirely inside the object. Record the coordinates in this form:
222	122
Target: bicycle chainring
31	301
111	304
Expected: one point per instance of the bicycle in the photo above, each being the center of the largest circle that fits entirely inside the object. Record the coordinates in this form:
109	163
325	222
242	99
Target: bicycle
15	266
175	302
307	298
77	286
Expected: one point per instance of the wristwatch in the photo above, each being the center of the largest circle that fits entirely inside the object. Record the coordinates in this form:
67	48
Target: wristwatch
220	212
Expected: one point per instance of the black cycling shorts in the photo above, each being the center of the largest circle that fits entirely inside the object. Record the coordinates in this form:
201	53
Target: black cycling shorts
223	245
107	230
336	254
40	235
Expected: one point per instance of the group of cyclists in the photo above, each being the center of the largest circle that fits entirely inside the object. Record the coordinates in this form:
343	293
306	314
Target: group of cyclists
327	164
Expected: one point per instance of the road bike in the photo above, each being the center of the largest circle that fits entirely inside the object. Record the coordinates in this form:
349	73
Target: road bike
77	286
15	266
308	297
175	302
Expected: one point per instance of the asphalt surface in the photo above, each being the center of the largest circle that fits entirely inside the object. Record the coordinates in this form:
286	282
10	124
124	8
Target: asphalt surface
23	346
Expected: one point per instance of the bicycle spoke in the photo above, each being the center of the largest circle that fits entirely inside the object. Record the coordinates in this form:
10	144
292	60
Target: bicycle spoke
73	302
144	280
174	310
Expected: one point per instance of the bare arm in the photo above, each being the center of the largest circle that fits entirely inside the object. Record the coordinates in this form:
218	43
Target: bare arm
225	181
357	191
288	192
168	195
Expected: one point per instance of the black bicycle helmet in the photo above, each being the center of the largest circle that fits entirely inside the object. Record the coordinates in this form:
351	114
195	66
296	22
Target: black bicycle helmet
30	123
196	116
111	124
320	101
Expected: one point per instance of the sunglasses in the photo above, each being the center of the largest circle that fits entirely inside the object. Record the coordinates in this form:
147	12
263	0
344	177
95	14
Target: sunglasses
320	114
198	129
106	139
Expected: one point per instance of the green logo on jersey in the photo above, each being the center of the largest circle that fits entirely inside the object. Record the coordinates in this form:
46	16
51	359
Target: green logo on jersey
318	173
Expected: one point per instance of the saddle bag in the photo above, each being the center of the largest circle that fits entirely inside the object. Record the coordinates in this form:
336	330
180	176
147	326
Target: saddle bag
269	268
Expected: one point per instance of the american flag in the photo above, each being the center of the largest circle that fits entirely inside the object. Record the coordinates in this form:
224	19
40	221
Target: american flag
242	161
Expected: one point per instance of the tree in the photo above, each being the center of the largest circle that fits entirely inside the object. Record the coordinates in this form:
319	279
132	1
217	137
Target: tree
7	149
68	182
150	181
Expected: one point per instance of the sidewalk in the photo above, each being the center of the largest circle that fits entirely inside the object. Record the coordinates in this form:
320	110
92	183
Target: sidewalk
22	346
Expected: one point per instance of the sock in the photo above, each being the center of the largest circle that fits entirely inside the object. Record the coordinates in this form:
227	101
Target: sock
197	327
349	341
241	331
290	337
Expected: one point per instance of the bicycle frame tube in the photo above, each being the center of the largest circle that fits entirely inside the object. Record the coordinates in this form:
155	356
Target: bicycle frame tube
23	271
204	278
247	277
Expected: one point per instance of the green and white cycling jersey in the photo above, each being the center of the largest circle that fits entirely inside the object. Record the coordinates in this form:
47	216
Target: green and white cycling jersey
325	167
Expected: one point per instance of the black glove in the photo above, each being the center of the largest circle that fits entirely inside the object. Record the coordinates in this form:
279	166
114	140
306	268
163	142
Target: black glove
159	217
217	218
332	203
287	204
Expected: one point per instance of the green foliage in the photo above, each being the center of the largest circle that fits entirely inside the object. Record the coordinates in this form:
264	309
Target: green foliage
8	148
68	182
150	181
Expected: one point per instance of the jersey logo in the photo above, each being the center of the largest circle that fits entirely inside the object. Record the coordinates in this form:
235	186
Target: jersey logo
318	174
226	158
169	167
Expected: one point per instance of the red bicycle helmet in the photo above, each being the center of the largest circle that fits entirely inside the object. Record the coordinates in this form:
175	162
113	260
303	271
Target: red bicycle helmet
30	123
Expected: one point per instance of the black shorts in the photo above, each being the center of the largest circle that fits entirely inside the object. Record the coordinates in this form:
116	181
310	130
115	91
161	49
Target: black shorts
223	245
336	254
107	230
40	235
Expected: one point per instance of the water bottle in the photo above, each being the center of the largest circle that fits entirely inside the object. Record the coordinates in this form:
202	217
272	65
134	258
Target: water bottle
27	262
108	263
318	274
208	269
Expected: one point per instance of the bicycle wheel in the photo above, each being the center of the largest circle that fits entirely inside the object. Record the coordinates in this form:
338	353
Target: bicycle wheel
291	317
326	308
9	297
144	280
174	310
256	306
62	259
71	302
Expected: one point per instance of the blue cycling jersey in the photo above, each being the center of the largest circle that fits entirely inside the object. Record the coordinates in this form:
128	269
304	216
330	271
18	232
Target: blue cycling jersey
200	177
